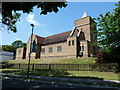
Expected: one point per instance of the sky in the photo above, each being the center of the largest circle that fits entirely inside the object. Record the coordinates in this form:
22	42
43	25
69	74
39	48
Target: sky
53	23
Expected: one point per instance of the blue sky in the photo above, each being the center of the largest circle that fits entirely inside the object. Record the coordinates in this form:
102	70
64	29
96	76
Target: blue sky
54	23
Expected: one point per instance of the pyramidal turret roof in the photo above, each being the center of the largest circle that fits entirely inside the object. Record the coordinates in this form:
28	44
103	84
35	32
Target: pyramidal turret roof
84	15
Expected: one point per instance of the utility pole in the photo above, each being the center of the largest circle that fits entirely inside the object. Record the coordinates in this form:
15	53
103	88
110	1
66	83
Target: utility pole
31	45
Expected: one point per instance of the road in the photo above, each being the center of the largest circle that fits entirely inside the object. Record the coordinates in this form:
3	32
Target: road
6	56
12	83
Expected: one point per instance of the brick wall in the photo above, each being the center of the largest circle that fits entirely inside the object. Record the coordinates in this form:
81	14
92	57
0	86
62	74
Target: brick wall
19	53
67	51
33	54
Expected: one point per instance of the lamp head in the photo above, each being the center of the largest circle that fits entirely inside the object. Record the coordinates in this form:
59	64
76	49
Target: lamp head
32	25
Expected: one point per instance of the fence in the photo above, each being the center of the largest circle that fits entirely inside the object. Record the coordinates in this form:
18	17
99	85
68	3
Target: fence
110	67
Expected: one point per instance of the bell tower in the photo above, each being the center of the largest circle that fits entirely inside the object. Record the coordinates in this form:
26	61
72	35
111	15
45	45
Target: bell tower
85	36
84	24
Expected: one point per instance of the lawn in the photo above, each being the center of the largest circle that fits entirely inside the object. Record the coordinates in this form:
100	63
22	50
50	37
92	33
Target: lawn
89	60
85	75
79	80
104	75
61	73
67	74
25	61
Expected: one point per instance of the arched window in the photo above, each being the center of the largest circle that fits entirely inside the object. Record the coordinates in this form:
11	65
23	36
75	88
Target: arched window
82	36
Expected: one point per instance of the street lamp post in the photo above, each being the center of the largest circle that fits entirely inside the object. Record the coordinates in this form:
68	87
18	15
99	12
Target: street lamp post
30	51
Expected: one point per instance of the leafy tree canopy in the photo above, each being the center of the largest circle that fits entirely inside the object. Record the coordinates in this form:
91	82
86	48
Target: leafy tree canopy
18	44
9	48
12	48
10	15
109	29
108	33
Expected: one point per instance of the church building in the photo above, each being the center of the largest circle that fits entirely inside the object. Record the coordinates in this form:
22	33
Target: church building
71	44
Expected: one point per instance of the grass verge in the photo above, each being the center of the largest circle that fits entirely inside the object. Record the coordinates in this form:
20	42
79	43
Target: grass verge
25	61
67	74
89	60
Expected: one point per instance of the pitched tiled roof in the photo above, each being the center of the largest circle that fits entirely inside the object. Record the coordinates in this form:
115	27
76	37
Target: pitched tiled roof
40	39
57	38
62	37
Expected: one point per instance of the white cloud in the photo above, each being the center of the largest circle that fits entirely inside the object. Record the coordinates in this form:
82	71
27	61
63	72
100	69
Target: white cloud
31	19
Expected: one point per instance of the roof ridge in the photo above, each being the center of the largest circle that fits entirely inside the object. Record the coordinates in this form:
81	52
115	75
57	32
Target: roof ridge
39	36
58	34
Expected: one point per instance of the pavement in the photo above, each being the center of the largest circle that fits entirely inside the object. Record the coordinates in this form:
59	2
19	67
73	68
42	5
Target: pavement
8	82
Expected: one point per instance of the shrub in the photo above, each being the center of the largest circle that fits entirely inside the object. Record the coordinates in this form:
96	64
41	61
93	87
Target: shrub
105	67
115	69
104	57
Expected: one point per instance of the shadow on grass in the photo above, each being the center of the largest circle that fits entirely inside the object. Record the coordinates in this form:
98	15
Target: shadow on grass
63	74
51	73
4	64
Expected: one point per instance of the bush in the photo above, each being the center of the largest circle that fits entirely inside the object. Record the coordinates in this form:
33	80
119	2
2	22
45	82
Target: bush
104	57
115	69
105	67
112	56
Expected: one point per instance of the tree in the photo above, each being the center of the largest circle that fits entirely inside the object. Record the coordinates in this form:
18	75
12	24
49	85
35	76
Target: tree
12	48
18	44
24	44
109	32
10	15
0	48
8	48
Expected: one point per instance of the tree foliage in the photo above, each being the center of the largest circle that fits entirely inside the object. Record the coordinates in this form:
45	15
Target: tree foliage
108	32
109	29
18	44
10	15
8	48
12	48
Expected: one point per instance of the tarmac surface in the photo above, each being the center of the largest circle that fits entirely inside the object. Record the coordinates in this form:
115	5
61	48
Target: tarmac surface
15	83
